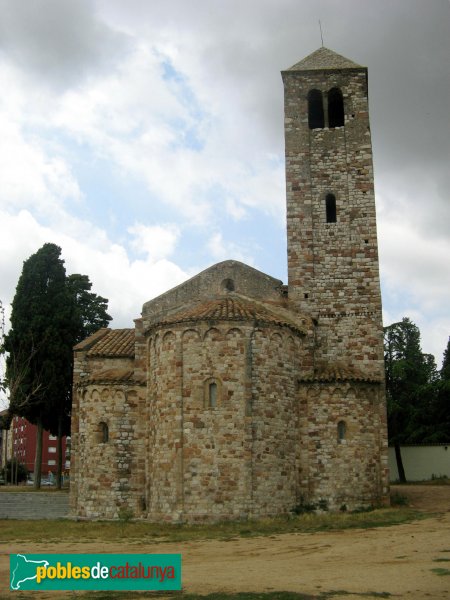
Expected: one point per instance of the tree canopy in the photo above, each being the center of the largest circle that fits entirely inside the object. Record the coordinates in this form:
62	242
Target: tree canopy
51	312
445	371
417	393
90	309
38	343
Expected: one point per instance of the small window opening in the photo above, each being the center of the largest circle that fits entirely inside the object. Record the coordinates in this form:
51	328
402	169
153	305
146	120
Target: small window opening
104	432
213	395
228	285
316	119
341	431
335	108
306	296
330	206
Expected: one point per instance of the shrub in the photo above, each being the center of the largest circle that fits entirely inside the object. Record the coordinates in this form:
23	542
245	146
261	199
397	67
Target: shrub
304	507
322	504
398	499
125	514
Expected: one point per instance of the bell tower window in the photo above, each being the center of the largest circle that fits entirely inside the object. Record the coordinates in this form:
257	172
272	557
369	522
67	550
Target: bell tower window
316	118
335	108
213	394
330	208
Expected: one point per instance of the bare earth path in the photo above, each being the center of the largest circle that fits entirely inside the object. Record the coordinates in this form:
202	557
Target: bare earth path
396	560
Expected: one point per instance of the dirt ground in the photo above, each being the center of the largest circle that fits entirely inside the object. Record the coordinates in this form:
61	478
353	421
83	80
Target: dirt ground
396	560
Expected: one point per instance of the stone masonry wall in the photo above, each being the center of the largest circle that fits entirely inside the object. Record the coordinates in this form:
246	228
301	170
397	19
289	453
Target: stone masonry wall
236	459
164	449
351	471
275	367
109	473
333	267
226	276
353	339
334	277
106	476
216	438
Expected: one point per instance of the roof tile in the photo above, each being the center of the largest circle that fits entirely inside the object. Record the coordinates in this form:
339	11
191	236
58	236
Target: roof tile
232	309
116	343
114	375
337	372
323	58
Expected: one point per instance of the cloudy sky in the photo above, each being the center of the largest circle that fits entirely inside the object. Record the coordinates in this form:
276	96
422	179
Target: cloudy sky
145	137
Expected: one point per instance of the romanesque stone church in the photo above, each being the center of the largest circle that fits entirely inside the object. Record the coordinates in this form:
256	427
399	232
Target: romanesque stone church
236	396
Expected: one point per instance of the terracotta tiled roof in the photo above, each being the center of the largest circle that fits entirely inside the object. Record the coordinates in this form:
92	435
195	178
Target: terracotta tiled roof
324	58
116	343
92	339
330	373
233	308
113	375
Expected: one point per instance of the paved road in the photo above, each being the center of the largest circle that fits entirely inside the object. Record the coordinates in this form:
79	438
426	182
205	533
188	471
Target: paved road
34	505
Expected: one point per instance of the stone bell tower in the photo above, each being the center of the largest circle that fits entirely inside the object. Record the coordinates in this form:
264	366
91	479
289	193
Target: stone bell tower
331	222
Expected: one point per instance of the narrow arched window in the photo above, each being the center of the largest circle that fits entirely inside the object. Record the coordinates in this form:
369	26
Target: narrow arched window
316	119
212	400
330	208
335	108
103	432
341	431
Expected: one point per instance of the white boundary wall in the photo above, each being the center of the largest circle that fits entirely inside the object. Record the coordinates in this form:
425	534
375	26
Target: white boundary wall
421	462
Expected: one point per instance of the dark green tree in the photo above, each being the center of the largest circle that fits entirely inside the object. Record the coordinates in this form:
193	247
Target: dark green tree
91	309
438	430
445	371
409	372
38	344
50	314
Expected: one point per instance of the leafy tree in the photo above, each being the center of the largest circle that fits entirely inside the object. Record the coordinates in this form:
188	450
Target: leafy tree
408	373
445	371
50	314
418	395
439	404
90	308
42	323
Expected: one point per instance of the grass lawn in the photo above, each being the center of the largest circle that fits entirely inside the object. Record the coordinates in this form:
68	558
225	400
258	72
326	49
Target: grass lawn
68	531
144	532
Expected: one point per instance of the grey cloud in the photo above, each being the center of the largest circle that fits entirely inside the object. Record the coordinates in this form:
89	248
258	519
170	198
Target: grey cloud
58	42
240	48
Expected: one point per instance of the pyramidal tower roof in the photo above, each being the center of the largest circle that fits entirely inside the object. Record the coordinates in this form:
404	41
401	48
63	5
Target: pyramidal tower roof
323	58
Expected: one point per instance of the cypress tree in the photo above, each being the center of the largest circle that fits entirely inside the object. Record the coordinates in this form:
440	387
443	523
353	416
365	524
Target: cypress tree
51	312
39	343
90	308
